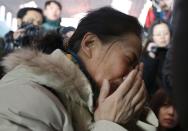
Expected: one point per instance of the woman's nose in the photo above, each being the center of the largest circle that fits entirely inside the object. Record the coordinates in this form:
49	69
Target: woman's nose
171	110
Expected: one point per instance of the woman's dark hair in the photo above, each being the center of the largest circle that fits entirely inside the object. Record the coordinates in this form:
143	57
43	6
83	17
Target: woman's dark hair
159	99
53	1
106	23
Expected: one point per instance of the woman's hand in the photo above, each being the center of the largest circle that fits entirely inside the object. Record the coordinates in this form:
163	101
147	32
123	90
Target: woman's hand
121	106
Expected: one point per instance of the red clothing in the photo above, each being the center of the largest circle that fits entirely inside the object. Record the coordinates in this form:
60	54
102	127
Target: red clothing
150	18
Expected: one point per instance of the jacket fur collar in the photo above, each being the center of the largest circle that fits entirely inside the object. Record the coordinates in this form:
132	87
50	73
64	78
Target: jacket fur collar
55	71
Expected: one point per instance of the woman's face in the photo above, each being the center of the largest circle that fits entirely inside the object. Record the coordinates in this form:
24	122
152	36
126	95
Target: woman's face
114	60
168	117
161	35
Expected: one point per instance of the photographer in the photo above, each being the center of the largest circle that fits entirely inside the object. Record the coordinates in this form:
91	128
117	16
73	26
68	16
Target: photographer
25	16
26	36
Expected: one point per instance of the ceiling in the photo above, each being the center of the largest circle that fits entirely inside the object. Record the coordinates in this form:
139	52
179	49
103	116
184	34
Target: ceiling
70	7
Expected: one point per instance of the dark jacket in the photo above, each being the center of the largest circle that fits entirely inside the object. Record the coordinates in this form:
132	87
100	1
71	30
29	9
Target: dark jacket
153	69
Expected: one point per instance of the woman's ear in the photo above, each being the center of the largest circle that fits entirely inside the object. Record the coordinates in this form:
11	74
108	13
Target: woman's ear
88	43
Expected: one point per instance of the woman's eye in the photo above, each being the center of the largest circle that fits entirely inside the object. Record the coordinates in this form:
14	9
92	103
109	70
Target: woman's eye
166	105
131	63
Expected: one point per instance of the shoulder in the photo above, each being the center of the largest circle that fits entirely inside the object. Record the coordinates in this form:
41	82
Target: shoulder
32	99
148	120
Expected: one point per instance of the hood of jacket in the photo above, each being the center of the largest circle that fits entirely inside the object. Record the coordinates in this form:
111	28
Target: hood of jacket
54	71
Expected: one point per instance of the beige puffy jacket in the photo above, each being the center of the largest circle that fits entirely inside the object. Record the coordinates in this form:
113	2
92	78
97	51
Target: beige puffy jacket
49	93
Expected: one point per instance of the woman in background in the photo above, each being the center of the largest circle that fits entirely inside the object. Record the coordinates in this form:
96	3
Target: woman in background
154	54
165	110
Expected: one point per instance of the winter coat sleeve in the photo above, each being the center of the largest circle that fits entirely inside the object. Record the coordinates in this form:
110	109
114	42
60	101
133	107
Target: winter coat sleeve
104	125
21	108
148	122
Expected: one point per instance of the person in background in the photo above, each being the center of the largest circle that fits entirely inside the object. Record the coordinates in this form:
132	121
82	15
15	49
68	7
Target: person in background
160	10
29	15
51	41
52	13
154	54
29	35
55	39
2	43
29	19
94	84
67	32
162	105
29	39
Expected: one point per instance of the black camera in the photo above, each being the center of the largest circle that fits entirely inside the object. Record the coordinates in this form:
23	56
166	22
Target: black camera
31	34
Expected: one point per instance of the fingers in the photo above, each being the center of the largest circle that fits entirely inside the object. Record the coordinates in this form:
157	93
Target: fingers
132	83
141	69
134	76
139	96
134	90
104	91
140	105
126	84
139	100
151	45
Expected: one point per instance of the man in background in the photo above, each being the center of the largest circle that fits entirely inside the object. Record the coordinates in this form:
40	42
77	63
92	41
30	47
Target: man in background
52	13
25	17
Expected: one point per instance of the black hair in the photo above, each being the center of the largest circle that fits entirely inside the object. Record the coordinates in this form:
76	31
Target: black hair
106	23
53	1
64	30
50	42
159	99
22	12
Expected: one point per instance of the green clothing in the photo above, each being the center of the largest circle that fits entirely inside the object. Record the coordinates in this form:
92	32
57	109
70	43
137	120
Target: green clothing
51	25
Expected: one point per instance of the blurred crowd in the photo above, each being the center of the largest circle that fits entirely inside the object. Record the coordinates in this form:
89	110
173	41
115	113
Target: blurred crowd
41	30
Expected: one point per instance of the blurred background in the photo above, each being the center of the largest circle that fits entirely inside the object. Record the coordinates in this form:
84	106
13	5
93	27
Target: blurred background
72	11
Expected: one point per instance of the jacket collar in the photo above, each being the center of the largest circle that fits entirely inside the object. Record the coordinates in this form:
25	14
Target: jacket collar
55	71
